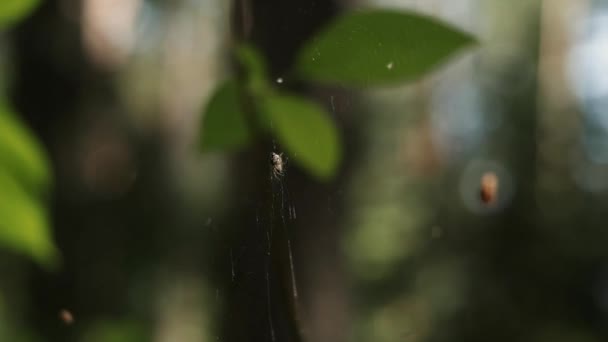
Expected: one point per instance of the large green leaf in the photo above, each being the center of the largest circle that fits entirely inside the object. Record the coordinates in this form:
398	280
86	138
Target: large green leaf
24	182
305	130
225	125
21	154
377	47
23	222
11	11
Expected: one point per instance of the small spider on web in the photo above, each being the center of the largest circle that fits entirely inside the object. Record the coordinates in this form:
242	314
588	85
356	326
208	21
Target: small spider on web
279	207
278	165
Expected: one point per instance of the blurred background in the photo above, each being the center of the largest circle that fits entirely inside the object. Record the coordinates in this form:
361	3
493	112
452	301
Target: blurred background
158	241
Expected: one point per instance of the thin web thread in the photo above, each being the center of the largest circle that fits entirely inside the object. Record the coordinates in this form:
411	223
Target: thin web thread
268	261
294	287
274	179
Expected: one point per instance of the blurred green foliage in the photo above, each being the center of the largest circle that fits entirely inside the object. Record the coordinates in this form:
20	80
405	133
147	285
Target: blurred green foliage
25	181
11	11
20	153
306	131
116	331
381	46
24	173
378	47
300	125
225	122
255	69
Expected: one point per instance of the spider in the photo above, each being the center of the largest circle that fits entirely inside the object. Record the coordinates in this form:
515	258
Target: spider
278	165
489	188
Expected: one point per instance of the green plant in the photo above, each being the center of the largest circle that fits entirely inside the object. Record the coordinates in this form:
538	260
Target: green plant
25	177
359	49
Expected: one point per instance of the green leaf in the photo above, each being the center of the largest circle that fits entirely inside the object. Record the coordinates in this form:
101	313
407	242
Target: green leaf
255	68
305	130
11	11
378	47
23	223
24	181
21	154
224	123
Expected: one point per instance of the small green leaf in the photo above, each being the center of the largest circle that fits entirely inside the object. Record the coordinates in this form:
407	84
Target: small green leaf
11	11
256	72
224	122
305	130
21	155
23	223
377	47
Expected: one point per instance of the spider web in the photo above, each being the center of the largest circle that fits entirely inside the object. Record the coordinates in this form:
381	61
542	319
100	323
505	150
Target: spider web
287	212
